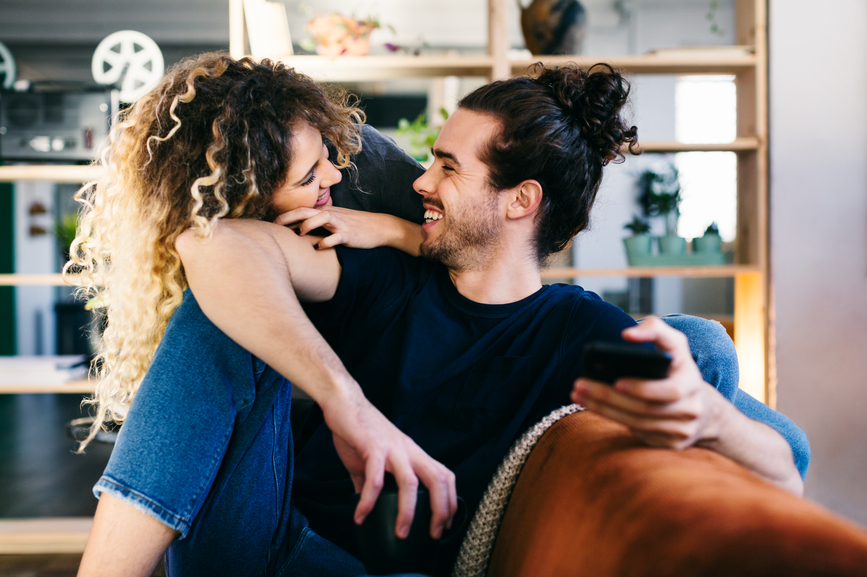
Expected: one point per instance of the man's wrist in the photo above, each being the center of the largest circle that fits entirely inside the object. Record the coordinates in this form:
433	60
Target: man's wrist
721	421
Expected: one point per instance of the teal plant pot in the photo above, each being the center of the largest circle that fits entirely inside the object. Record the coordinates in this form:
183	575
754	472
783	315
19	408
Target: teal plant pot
671	244
707	243
637	244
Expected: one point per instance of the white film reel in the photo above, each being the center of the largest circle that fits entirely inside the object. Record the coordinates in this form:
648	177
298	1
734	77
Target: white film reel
131	59
7	67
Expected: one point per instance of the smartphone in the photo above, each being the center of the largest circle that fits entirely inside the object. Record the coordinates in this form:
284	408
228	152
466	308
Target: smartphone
607	362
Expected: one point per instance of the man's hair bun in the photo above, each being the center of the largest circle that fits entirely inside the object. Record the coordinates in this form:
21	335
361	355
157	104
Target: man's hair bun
593	98
560	127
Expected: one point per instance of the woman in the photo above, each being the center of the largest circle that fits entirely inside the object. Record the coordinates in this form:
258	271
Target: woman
219	138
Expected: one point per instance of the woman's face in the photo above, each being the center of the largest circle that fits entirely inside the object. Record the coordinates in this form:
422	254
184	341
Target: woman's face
311	174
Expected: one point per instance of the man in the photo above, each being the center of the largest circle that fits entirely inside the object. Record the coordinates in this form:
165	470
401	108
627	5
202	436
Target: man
463	353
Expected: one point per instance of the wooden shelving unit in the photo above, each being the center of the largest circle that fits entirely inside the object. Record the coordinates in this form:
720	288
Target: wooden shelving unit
753	328
747	61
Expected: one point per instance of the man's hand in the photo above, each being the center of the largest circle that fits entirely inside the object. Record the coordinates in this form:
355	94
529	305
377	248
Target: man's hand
682	410
369	444
676	412
354	228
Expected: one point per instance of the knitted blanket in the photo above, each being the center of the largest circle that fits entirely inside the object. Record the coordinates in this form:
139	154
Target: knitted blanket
478	544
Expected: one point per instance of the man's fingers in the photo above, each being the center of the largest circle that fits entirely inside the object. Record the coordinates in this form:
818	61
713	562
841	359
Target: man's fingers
655	330
374	471
659	391
674	430
677	407
407	487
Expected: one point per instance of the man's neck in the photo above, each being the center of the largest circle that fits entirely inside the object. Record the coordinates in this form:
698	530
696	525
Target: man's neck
501	281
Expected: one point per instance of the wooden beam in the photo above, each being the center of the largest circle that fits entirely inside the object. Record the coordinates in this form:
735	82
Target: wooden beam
44	536
498	38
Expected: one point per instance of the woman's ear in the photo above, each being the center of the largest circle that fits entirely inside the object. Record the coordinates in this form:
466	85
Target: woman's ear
525	200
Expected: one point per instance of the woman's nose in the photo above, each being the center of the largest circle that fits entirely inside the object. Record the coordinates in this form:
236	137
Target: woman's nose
331	176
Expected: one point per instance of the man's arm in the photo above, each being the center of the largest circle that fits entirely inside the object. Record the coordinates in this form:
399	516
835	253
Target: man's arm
248	279
682	411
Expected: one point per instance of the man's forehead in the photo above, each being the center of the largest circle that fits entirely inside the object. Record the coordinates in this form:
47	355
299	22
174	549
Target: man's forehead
465	133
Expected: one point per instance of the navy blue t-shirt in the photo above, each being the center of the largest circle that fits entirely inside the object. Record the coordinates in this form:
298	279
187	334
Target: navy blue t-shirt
462	379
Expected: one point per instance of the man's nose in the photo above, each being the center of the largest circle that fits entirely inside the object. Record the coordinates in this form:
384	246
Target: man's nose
424	184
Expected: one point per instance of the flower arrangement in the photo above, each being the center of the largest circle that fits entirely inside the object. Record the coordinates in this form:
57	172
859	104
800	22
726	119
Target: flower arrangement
337	35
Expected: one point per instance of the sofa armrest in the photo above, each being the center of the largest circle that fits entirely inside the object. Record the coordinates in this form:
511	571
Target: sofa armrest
593	500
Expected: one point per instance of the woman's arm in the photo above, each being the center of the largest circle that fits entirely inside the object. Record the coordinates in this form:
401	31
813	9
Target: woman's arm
123	541
272	269
355	228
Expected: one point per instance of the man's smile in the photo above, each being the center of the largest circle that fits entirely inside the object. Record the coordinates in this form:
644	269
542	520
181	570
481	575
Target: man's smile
431	215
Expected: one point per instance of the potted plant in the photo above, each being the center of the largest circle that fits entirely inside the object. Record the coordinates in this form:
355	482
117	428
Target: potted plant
659	195
421	135
710	241
639	242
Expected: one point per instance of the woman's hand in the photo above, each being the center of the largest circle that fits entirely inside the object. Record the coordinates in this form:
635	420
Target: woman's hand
354	228
369	445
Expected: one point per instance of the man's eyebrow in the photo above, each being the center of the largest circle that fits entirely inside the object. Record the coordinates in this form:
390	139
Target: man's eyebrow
439	153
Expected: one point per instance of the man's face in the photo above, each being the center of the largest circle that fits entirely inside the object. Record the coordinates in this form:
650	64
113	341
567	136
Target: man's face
463	216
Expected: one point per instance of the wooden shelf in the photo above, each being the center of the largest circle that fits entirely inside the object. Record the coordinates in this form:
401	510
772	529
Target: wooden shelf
44	535
706	62
31	280
83	386
360	68
74	174
743	144
725	271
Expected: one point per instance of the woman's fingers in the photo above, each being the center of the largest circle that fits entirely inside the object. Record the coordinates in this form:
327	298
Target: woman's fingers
374	473
330	241
407	495
296	215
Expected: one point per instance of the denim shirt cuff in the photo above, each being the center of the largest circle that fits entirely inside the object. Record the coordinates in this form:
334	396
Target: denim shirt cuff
141	503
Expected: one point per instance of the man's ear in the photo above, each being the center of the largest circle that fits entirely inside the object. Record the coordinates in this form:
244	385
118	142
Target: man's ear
524	200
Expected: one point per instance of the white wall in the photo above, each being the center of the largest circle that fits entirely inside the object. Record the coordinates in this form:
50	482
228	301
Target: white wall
35	254
818	147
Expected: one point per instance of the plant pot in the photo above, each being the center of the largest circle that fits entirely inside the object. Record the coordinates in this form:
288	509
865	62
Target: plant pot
671	244
637	244
707	243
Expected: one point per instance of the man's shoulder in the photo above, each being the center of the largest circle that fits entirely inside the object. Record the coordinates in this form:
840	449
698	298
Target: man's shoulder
583	307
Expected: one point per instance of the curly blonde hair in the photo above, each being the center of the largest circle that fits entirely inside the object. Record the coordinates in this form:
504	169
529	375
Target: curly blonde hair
211	141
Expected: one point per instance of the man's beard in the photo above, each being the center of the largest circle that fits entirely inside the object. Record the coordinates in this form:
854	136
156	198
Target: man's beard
470	233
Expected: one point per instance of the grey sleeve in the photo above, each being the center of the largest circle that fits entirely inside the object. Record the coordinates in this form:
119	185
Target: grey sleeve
381	180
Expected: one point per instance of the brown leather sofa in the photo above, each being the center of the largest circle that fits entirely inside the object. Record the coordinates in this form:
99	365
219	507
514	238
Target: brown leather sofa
594	501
